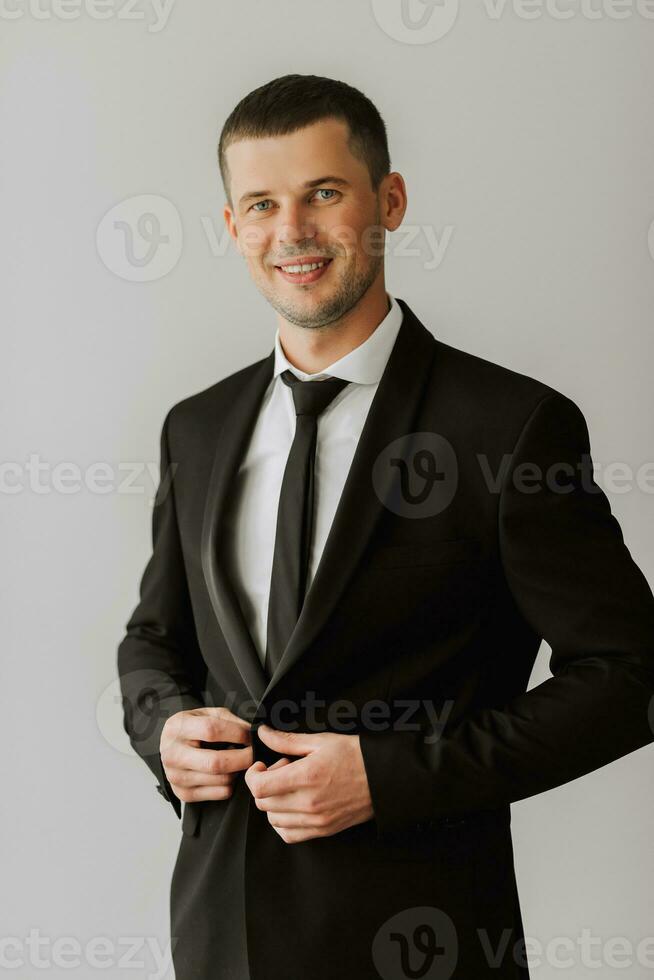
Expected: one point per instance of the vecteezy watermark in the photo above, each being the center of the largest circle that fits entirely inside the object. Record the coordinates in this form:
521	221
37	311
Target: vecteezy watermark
140	239
423	942
417	475
564	10
43	952
155	12
586	950
426	21
416	21
345	717
147	698
42	477
417	942
414	476
150	697
424	242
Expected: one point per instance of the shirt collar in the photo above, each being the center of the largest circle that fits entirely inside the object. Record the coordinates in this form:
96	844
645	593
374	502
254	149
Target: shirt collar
363	365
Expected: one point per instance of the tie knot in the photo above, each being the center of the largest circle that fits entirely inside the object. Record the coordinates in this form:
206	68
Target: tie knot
312	397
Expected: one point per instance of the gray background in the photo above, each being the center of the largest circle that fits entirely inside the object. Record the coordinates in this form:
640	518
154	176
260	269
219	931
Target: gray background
529	139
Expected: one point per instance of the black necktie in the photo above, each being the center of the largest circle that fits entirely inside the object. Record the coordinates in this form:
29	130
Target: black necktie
295	514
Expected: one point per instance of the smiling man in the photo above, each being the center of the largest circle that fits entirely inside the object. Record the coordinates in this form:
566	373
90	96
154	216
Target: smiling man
329	660
314	247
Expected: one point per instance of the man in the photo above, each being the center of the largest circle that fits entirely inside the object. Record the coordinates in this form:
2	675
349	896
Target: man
359	542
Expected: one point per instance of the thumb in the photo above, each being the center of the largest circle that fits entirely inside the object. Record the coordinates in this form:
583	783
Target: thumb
260	764
287	743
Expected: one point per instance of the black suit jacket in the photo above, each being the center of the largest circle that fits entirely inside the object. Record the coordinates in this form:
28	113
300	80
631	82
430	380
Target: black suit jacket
431	607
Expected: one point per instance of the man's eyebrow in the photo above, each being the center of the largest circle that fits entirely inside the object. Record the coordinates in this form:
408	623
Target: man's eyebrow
329	179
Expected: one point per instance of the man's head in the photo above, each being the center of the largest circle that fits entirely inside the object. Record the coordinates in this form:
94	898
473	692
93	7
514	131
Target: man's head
306	171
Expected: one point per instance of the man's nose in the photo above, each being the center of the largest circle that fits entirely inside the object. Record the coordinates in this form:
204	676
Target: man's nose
295	225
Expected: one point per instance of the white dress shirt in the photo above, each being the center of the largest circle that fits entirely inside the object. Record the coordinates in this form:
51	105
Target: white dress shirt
251	524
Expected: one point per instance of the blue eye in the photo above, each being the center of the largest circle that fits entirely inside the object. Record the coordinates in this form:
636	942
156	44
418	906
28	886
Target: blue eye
258	207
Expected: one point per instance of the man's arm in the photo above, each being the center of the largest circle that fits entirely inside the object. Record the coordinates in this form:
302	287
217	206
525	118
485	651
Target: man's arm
159	661
576	584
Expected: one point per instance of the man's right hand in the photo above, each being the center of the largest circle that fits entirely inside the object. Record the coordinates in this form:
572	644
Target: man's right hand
196	773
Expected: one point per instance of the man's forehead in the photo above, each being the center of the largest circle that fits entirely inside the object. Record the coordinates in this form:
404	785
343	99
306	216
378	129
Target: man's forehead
325	131
292	159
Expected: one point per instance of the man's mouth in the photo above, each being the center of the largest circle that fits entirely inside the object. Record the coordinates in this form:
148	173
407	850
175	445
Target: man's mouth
305	270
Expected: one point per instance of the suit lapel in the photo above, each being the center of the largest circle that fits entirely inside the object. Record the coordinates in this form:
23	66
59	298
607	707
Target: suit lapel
229	450
390	416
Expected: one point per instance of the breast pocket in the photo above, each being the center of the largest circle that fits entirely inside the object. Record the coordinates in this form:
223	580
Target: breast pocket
426	555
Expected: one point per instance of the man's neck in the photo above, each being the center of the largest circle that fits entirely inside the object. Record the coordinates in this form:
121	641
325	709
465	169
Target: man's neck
313	349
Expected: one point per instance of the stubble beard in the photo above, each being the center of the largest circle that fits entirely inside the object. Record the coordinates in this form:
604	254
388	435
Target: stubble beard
333	308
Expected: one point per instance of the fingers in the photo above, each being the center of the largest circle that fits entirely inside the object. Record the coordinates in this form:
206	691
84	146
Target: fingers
275	780
297	821
196	793
189	778
210	725
191	786
179	755
287	803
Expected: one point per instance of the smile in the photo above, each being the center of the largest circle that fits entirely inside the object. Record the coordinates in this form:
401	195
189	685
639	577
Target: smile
303	272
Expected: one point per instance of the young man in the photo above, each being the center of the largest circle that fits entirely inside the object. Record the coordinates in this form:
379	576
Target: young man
359	543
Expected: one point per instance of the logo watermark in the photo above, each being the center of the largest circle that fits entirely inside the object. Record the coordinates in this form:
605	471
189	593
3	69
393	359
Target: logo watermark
423	942
416	21
155	13
43	952
427	21
141	238
564	10
148	697
418	475
420	942
414	476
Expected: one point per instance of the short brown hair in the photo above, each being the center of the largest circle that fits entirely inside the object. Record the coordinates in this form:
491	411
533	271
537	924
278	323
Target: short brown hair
292	102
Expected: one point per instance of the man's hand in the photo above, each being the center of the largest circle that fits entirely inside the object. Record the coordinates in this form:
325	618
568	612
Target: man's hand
317	795
197	773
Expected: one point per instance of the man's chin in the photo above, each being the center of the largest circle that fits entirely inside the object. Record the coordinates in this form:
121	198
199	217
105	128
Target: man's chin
309	319
306	310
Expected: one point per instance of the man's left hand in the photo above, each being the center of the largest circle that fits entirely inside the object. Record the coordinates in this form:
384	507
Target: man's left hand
320	792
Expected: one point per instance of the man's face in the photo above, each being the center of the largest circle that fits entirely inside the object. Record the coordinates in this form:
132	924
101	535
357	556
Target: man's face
304	199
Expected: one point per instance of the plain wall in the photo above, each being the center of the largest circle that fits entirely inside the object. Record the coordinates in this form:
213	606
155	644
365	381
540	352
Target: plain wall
528	152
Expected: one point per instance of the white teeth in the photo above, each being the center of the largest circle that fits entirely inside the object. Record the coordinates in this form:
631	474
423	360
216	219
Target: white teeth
303	268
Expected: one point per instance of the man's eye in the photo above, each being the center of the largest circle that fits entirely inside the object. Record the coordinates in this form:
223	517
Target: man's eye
260	206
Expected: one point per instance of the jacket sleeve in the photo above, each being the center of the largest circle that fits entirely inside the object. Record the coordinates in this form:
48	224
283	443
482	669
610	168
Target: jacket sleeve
576	585
160	666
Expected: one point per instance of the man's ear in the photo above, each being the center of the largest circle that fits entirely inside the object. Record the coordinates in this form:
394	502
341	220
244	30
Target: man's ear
228	215
393	196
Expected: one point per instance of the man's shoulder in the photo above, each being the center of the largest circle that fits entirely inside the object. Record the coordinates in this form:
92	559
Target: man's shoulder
487	386
478	384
